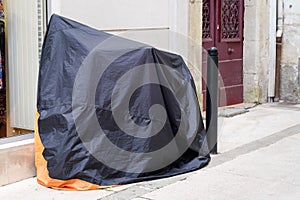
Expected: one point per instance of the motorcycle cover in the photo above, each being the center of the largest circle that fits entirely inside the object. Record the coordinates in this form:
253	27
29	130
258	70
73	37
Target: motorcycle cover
113	111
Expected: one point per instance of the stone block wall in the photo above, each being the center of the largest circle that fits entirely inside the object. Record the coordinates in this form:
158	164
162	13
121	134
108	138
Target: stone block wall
290	64
256	50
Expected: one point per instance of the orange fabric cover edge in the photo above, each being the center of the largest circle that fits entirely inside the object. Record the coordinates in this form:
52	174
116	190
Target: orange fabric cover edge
42	173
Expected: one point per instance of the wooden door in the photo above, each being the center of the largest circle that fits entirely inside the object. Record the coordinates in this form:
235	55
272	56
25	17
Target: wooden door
223	28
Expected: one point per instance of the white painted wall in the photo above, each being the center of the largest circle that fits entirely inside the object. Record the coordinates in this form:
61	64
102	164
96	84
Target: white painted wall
179	16
118	14
148	21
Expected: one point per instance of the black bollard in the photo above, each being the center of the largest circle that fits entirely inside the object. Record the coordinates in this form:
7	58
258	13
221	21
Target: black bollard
212	100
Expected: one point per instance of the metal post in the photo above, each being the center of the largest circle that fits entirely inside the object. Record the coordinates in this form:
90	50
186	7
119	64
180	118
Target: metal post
212	99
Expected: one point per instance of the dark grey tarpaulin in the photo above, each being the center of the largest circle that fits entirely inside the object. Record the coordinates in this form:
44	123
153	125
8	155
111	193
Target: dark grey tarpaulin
115	111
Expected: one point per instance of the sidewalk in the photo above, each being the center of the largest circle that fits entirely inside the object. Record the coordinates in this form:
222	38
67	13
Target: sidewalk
259	159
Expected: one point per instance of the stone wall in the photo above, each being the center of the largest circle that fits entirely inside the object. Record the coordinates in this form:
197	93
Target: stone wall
290	79
195	36
256	50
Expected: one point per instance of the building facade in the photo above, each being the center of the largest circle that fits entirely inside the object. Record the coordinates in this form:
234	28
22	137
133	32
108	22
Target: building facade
254	67
290	50
244	31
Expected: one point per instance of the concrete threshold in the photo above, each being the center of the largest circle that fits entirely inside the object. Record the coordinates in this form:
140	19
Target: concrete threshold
233	110
17	159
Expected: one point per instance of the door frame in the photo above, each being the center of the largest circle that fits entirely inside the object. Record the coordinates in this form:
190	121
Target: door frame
212	36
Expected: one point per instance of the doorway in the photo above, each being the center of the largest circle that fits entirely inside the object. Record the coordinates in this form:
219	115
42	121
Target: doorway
222	27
